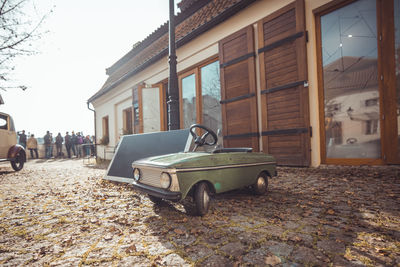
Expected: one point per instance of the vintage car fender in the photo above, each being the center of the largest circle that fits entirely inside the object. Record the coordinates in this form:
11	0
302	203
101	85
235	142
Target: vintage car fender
14	150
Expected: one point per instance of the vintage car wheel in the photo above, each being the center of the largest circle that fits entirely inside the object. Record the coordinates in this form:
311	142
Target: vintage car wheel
155	200
202	199
18	163
261	185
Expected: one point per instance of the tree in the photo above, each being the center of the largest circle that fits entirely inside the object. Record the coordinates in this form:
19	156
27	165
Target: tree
20	26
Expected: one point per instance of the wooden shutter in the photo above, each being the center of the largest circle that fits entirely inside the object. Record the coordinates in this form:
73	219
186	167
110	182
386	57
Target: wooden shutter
238	90
284	92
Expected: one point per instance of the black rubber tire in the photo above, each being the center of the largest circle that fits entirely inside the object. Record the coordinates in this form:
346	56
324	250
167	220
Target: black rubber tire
155	200
202	199
18	163
261	185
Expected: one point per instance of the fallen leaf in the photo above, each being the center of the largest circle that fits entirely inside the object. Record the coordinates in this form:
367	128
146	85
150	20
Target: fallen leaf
297	238
179	231
130	249
272	260
331	211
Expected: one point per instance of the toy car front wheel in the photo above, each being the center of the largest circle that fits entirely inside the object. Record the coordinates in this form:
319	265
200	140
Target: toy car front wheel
18	163
202	199
261	185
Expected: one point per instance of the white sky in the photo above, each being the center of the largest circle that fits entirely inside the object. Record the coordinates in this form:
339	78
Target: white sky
85	37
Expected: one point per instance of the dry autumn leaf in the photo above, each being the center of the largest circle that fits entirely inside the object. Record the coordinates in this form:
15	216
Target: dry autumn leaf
331	211
130	249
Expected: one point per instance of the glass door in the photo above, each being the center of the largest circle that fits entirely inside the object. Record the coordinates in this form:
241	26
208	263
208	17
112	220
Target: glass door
349	49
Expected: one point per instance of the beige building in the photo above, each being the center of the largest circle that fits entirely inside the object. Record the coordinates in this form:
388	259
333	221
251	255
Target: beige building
310	81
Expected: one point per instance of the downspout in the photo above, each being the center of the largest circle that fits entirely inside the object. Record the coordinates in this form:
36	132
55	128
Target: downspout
95	132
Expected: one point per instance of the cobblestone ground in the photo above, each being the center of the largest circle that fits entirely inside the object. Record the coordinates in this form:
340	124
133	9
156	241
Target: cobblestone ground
61	213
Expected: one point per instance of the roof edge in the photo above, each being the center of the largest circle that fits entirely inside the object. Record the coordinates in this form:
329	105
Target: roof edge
184	40
155	35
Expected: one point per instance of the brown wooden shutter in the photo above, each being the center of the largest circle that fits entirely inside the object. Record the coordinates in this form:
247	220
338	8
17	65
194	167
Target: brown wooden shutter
238	90
284	90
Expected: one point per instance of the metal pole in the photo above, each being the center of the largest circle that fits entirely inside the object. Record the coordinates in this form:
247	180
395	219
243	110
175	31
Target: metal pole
173	91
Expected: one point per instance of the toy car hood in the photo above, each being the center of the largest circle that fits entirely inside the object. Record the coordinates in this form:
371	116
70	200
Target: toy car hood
204	160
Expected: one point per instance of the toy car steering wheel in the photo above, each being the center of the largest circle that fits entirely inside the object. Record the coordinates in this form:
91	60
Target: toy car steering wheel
201	140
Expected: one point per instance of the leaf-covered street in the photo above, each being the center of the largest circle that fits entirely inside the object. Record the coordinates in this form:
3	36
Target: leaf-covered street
62	213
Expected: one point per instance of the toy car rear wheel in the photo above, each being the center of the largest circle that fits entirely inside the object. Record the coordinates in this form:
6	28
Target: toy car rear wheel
155	200
202	199
261	185
18	163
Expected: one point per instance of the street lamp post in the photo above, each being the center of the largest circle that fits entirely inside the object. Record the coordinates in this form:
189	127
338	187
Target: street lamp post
173	92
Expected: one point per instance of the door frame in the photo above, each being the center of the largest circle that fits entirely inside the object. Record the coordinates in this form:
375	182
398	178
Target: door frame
386	83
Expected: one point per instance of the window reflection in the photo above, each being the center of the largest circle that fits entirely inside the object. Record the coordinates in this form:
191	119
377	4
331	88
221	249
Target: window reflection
189	100
211	95
350	69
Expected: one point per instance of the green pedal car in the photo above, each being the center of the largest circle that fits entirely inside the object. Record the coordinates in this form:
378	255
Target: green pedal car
201	174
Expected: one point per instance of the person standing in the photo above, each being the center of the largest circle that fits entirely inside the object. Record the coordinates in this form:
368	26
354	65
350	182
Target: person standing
87	144
59	141
78	144
51	145
73	143
22	138
47	144
33	146
93	145
67	142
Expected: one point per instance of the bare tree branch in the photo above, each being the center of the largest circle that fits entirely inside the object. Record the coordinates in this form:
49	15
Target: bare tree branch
18	31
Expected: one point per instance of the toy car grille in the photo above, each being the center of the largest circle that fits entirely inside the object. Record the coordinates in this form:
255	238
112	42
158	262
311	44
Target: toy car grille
151	177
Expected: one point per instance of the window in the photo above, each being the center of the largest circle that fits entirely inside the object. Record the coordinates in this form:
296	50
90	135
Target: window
371	102
189	113
151	108
200	95
211	95
127	117
371	127
106	135
136	111
3	122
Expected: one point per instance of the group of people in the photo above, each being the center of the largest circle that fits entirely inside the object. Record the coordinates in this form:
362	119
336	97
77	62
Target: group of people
76	143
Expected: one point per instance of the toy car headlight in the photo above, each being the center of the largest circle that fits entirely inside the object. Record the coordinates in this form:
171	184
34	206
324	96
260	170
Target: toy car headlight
137	174
165	180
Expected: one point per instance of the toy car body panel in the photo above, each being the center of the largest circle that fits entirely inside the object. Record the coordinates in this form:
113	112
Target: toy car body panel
224	171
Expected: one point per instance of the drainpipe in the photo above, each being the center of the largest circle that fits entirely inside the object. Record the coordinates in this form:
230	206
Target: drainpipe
95	132
173	91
